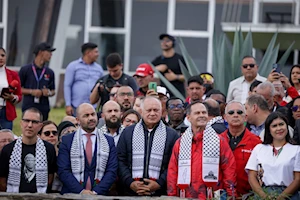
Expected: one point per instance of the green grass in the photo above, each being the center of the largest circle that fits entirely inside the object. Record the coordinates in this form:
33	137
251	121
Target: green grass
55	115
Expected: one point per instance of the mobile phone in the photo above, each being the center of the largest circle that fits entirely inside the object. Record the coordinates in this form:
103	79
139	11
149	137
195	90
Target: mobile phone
276	67
4	90
152	86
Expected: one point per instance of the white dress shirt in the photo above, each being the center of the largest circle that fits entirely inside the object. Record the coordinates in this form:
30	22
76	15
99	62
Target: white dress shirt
238	89
84	138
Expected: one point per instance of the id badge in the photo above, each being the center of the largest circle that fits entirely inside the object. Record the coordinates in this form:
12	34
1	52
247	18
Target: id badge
36	100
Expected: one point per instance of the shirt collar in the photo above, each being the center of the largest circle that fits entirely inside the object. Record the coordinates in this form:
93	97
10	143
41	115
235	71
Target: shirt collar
238	137
83	132
244	80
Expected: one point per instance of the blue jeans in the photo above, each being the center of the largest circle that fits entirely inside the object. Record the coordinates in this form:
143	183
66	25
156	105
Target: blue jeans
4	123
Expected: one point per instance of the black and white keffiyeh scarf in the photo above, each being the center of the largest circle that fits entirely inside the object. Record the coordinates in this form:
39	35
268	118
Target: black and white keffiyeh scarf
41	167
105	131
77	156
157	151
211	153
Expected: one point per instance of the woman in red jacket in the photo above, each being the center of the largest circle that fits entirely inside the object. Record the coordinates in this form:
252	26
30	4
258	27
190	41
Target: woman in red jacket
10	87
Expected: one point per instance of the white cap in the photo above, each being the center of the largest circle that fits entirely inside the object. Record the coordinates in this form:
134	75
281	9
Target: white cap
163	90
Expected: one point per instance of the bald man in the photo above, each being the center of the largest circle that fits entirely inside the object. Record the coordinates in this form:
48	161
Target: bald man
87	160
71	119
144	151
111	113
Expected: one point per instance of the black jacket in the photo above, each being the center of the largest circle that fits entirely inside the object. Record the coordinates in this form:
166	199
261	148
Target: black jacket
296	136
124	149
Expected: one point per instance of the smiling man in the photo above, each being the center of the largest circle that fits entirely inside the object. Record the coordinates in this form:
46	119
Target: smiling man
28	164
87	161
201	161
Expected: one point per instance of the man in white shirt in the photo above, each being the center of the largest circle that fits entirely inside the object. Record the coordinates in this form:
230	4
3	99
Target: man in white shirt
239	88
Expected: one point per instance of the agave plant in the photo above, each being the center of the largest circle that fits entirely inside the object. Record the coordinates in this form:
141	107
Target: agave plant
227	61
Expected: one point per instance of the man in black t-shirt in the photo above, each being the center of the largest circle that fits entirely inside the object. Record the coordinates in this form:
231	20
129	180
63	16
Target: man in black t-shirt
114	77
28	164
168	63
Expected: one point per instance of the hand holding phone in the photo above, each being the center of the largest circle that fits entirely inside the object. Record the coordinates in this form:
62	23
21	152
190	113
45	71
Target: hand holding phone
152	86
276	67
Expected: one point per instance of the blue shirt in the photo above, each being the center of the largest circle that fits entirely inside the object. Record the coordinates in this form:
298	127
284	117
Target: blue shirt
29	81
79	81
257	129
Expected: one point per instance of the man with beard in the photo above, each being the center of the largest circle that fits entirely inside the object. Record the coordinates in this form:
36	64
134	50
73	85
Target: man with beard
144	151
87	160
175	108
111	113
168	63
125	98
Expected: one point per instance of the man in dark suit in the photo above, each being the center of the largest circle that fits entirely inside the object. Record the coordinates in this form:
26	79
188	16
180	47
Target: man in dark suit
87	160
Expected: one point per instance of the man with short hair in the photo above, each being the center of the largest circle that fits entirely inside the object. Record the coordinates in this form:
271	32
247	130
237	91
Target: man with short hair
201	161
38	80
6	137
238	88
144	151
213	110
80	77
220	98
125	98
267	90
241	142
115	76
143	76
111	113
195	89
176	111
168	63
87	160
71	119
28	164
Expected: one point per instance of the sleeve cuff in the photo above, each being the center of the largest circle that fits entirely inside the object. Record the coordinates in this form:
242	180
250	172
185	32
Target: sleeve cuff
160	182
128	181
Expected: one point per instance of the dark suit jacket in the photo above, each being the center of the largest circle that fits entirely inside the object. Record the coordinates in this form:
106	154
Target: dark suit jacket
70	183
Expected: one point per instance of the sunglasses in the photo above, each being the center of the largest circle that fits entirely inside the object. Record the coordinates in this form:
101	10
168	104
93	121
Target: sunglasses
27	121
47	133
172	106
245	66
295	108
239	112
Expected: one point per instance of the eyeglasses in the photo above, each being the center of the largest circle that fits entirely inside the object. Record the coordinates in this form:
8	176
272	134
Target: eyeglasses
295	108
129	94
27	121
172	106
47	133
245	66
231	112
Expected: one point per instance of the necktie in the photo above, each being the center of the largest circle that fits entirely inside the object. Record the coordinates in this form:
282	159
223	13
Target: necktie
89	156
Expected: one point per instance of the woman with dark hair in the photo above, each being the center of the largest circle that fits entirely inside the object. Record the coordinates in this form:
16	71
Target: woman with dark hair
274	166
49	133
10	93
295	76
130	117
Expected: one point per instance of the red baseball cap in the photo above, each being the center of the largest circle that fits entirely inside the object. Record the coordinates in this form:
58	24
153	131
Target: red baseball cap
144	70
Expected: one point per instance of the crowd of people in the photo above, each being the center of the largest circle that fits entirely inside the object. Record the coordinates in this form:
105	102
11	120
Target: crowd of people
119	137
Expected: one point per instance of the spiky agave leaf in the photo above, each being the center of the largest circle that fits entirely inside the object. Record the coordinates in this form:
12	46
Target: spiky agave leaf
286	55
263	67
167	83
184	71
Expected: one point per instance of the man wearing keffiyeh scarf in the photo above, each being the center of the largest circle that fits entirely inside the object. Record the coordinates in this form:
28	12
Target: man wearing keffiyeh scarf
87	160
28	164
201	161
144	151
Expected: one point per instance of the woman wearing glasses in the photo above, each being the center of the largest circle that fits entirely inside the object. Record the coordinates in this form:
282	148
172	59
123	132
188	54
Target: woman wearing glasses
10	93
49	133
274	166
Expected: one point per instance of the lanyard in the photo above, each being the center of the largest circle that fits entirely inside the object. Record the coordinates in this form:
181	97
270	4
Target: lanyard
36	77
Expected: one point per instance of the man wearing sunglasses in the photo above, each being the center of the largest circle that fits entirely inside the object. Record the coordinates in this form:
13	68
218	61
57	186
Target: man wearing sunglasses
176	112
28	151
239	88
241	142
